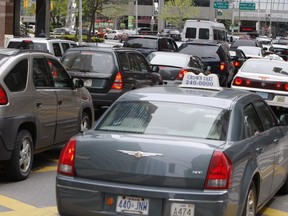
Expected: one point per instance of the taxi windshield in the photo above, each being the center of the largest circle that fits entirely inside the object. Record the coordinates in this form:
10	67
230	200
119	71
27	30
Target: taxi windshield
271	67
150	117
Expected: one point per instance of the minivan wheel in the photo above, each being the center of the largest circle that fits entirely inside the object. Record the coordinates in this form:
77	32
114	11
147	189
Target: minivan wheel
20	164
86	122
251	202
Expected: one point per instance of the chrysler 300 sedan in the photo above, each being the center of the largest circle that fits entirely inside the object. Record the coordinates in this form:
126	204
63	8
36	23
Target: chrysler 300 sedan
189	150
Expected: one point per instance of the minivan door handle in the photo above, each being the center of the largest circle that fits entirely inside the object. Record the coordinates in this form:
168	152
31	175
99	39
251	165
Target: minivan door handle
38	104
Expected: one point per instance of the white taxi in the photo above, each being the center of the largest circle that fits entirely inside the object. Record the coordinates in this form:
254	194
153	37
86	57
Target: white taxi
266	77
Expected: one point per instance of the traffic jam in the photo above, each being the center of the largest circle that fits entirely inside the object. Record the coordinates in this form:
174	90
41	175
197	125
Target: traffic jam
138	128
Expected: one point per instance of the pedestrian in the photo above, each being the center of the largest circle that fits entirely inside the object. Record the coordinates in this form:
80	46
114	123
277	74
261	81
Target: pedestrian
42	34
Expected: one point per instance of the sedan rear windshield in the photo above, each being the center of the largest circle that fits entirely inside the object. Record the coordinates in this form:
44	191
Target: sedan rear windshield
267	67
147	43
89	61
150	117
200	50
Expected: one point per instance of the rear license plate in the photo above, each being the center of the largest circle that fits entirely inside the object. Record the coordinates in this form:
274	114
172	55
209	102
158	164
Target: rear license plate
134	205
182	209
280	99
264	95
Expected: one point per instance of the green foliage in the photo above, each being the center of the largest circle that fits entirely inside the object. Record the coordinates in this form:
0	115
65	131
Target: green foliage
84	38
176	12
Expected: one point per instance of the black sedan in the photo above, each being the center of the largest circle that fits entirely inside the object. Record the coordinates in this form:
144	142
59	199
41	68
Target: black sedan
191	150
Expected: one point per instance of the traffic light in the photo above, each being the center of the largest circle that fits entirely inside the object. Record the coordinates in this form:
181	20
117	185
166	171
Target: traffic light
219	12
25	3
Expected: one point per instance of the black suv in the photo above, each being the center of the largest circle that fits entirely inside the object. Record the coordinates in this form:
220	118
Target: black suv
108	72
149	43
213	54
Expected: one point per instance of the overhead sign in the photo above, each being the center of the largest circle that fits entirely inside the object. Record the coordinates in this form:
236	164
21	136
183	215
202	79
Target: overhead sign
247	6
221	5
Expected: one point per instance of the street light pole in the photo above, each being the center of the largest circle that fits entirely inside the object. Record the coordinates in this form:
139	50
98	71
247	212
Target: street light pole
136	15
239	16
80	22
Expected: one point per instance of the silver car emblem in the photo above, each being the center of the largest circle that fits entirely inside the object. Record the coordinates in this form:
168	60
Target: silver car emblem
263	84
139	154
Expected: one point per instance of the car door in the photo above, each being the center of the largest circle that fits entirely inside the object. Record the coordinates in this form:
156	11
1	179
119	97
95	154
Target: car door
274	133
68	102
263	148
140	69
45	104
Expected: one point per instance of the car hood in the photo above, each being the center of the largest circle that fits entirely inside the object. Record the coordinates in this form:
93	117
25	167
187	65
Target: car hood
144	159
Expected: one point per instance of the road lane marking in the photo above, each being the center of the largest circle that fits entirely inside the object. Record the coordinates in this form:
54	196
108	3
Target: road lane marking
272	212
14	204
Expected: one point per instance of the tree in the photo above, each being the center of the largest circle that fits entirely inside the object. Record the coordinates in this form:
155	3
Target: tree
58	12
176	12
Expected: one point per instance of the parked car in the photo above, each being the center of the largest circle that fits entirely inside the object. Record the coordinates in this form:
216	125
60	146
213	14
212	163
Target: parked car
193	149
41	108
213	54
62	31
280	47
173	33
108	72
56	47
113	34
173	65
126	34
149	43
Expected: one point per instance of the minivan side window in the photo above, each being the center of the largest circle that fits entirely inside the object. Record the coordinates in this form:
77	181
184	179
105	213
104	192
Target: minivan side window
17	78
190	33
41	78
203	33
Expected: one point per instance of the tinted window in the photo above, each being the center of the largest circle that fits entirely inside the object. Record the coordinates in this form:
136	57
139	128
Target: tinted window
252	121
190	33
17	77
89	61
201	51
151	118
124	61
203	33
41	78
138	62
267	117
141	43
65	46
57	49
60	76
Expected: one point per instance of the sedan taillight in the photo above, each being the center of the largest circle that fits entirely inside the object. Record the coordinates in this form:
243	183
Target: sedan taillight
118	82
222	66
219	171
67	159
236	64
181	74
3	96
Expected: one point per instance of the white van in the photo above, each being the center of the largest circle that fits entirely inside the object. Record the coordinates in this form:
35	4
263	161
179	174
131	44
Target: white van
204	29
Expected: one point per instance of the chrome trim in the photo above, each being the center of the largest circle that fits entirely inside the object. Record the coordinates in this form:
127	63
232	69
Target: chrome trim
196	201
73	188
139	154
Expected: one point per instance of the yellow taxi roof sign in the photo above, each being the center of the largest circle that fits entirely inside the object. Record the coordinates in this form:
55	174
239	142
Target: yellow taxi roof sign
200	81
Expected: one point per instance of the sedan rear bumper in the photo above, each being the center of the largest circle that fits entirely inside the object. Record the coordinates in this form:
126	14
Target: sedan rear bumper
87	197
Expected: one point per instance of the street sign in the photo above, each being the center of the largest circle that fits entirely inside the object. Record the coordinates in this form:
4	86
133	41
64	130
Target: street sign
247	6
221	5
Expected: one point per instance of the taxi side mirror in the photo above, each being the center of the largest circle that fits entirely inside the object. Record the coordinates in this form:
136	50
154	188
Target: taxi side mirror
155	69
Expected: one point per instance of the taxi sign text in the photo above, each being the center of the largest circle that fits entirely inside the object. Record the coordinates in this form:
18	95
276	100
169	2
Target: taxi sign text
200	81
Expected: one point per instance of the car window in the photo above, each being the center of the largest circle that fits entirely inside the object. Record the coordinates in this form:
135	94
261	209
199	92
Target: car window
150	117
201	51
267	117
278	68
251	121
194	63
65	46
138	62
203	33
17	78
41	78
57	49
60	76
141	43
190	33
124	61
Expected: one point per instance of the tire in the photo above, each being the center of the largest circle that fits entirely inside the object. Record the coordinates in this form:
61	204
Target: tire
284	188
86	122
20	165
250	202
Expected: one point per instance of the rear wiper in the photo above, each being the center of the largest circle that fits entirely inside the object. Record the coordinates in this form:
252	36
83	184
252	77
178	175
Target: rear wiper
284	72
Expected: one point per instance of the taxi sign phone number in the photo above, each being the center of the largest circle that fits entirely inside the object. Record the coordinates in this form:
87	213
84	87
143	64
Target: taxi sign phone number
199	80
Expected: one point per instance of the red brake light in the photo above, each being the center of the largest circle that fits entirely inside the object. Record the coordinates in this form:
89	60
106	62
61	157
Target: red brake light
278	86
3	96
181	74
118	82
286	87
222	66
67	158
238	81
236	64
219	171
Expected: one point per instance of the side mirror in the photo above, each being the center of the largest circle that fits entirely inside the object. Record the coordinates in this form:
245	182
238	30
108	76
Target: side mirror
78	83
155	69
284	119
